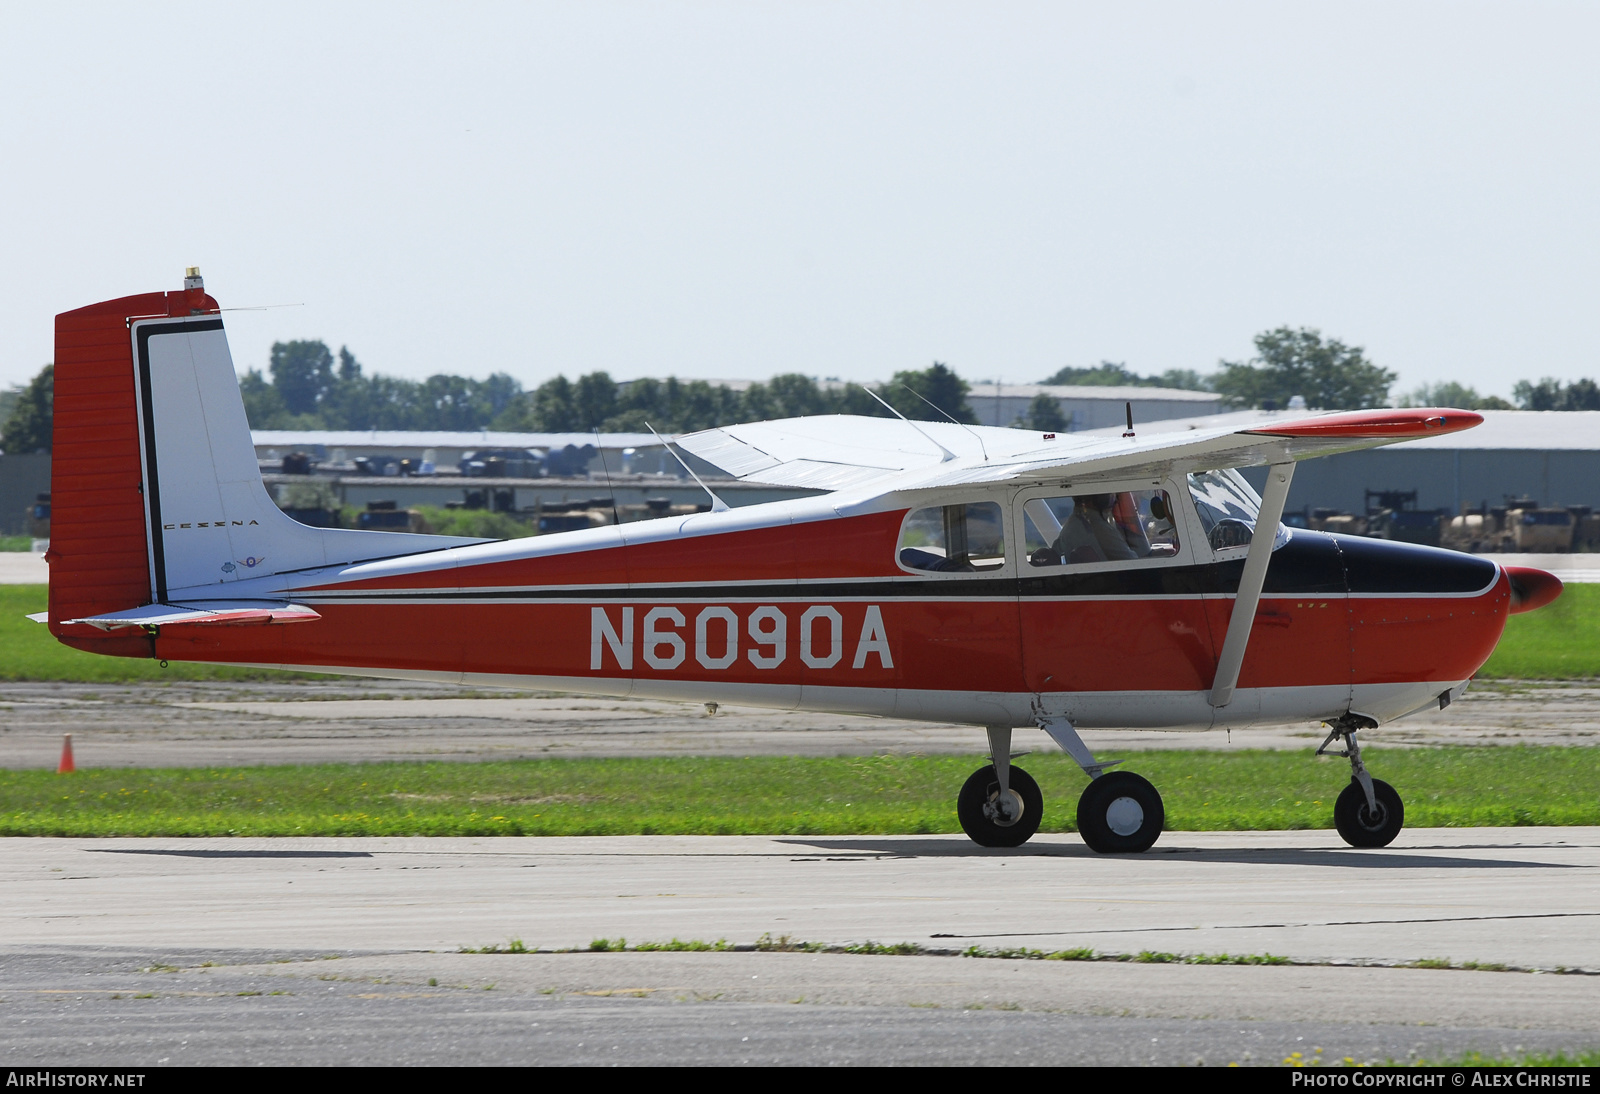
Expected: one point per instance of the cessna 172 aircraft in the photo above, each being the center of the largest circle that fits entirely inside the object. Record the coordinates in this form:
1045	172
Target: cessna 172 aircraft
993	577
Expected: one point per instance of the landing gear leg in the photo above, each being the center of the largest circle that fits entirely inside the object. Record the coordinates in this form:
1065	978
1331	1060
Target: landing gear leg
1119	812
1000	805
1368	812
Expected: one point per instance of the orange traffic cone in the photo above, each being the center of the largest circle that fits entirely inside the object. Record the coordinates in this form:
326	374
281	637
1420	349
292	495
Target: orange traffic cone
66	767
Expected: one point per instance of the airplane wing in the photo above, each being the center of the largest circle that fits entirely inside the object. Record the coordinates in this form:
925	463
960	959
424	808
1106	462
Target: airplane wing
837	452
834	451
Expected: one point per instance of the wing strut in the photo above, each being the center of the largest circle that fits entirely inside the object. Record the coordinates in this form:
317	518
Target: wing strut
717	504
1255	575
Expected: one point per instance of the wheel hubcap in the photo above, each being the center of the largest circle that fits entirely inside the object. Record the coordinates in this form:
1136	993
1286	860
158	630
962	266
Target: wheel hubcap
1003	809
1124	816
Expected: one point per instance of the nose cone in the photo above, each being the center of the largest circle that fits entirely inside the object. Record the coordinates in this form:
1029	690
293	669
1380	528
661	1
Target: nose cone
1531	588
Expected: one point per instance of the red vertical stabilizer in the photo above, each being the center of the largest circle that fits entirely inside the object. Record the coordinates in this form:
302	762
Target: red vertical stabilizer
99	552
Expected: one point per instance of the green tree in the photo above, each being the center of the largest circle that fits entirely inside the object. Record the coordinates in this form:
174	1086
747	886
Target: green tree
302	371
1329	375
1550	394
27	428
389	402
939	385
594	399
1117	374
555	408
497	394
1185	378
1105	374
1451	394
1045	416
263	406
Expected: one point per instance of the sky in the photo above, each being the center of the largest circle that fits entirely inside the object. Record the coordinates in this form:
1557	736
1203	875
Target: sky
734	190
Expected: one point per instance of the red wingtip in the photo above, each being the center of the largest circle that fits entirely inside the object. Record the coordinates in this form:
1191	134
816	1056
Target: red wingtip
1409	422
1531	588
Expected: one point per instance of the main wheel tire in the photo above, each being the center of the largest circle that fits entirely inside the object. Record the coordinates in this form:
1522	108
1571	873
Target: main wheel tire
977	807
1120	813
1356	822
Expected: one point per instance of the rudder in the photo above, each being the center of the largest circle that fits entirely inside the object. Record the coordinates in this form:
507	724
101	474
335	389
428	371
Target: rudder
157	496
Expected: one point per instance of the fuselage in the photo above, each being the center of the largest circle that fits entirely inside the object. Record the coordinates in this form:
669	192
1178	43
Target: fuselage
807	605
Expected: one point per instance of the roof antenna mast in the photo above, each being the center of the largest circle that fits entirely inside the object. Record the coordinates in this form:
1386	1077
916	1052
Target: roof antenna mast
948	455
717	504
616	518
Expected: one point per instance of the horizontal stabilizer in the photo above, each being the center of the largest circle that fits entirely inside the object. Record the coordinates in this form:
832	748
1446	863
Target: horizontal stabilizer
40	617
217	613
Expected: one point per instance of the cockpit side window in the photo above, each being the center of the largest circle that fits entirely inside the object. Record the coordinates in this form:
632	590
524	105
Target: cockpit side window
1121	526
966	538
1228	508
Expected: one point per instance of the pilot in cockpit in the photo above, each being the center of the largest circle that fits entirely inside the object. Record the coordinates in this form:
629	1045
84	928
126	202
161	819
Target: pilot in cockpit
1102	528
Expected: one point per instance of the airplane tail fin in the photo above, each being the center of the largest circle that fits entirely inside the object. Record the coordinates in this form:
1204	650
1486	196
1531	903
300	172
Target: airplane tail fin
156	495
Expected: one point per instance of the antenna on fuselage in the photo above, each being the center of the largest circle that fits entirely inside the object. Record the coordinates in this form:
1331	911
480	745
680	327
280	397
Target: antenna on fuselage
717	504
612	490
1129	408
948	455
981	446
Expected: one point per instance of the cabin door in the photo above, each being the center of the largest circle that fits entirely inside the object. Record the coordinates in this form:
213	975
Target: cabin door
1112	612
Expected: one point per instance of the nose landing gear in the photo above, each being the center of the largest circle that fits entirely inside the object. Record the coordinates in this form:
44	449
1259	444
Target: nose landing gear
1368	812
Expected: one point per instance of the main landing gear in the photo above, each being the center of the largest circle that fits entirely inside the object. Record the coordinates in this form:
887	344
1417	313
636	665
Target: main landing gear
1001	806
1368	812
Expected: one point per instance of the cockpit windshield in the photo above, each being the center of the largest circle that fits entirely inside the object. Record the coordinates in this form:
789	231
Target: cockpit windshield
1228	508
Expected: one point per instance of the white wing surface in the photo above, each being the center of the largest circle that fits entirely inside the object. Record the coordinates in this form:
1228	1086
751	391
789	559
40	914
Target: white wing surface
837	452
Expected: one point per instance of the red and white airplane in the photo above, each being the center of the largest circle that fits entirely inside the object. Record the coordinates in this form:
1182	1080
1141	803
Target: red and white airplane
994	577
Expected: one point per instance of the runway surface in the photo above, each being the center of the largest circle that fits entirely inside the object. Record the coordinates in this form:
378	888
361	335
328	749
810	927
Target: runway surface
80	918
125	952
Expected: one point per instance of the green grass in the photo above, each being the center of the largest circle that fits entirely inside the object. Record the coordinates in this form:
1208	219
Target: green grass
1560	641
29	652
474	523
16	543
1584	1058
884	795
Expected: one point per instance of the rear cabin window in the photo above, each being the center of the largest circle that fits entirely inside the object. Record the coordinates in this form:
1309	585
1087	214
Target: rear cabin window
1085	528
954	539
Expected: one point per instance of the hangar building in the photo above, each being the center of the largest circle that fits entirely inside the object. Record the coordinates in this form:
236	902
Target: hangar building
1553	456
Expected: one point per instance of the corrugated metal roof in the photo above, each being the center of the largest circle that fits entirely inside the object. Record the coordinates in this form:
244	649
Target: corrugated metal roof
1092	392
1008	391
1574	430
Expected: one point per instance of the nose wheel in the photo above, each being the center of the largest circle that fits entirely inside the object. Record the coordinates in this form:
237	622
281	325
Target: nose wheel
1363	826
1368	812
